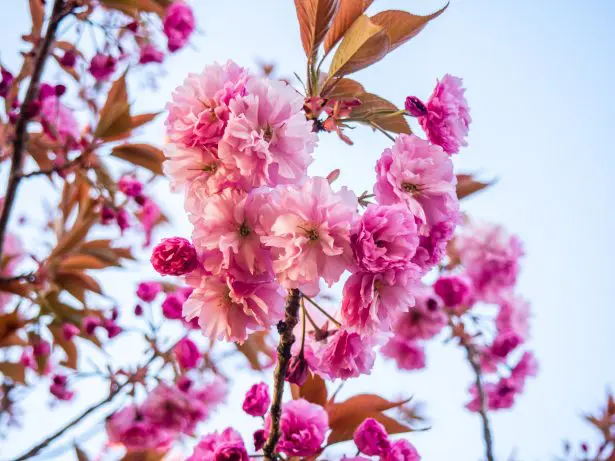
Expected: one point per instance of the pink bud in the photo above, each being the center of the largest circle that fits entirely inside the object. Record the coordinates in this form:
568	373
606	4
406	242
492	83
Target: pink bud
147	291
174	256
297	370
107	214
187	353
102	66
259	439
415	107
130	186
257	400
89	324
454	290
69	331
371	438
69	59
41	349
123	219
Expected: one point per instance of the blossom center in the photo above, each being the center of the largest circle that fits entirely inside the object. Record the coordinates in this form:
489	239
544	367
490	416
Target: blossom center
210	168
268	133
409	187
244	230
312	234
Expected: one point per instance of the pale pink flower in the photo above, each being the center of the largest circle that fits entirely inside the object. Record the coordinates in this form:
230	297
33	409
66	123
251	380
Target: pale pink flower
130	428
491	258
229	308
372	301
178	25
173	409
526	367
401	450
59	120
344	355
407	353
448	116
174	256
385	238
228	231
199	110
420	175
308	230
424	320
257	400
205	450
198	170
371	438
514	315
303	426
268	139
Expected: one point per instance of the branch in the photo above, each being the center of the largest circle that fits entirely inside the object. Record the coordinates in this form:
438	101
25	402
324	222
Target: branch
78	161
287	338
58	13
30	277
473	360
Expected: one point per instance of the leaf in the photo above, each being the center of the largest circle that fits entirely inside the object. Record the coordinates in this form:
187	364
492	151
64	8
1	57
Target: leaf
133	7
78	232
362	402
313	390
466	185
143	155
347	13
364	44
37	13
77	283
150	455
345	88
345	427
15	371
255	347
377	110
401	26
84	261
314	17
69	347
115	115
142	119
81	455
10	325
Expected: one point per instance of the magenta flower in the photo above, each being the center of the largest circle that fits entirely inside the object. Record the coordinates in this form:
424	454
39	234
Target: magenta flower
257	400
504	343
344	355
59	388
199	109
420	175
148	291
371	438
231	451
297	371
69	331
227	230
130	186
59	121
448	116
229	308
148	216
371	302
102	66
500	395
308	229
205	450
407	353
491	258
129	428
149	53
174	256
514	315
90	323
178	25
187	353
268	139
423	321
385	238
526	367
433	242
454	290
401	450
303	426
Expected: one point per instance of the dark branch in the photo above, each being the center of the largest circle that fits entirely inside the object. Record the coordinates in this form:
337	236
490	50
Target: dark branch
287	338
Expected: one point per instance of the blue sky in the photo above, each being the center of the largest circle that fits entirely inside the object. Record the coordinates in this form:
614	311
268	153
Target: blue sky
539	78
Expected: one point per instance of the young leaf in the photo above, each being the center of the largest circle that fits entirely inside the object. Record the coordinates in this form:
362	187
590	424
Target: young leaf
375	110
466	185
345	88
401	26
15	371
344	428
364	44
143	155
314	17
37	12
361	402
313	390
68	346
115	115
347	13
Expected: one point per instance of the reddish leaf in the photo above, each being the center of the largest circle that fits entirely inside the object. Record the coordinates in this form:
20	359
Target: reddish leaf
115	115
379	111
344	428
347	13
345	88
69	347
314	390
84	261
15	371
314	17
466	185
255	347
37	13
143	155
362	402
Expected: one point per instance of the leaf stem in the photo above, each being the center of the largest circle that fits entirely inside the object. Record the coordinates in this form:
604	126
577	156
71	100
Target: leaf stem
315	304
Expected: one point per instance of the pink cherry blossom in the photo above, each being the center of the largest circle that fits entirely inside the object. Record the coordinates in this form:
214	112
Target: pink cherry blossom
500	395
148	291
371	302
425	319
385	238
205	450
59	388
102	66
227	229
297	371
178	24
198	170
187	353
303	426
257	400
148	216
407	353
371	438
130	186
174	256
420	175
199	110
59	121
344	355
454	290
231	451
229	308
504	343
514	315
149	53
268	139
526	367
173	409
308	229
448	116
491	258
69	331
129	428
401	450
433	242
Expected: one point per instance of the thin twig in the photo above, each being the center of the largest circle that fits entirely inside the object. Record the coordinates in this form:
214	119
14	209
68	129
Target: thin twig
317	306
59	12
287	338
382	130
30	277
